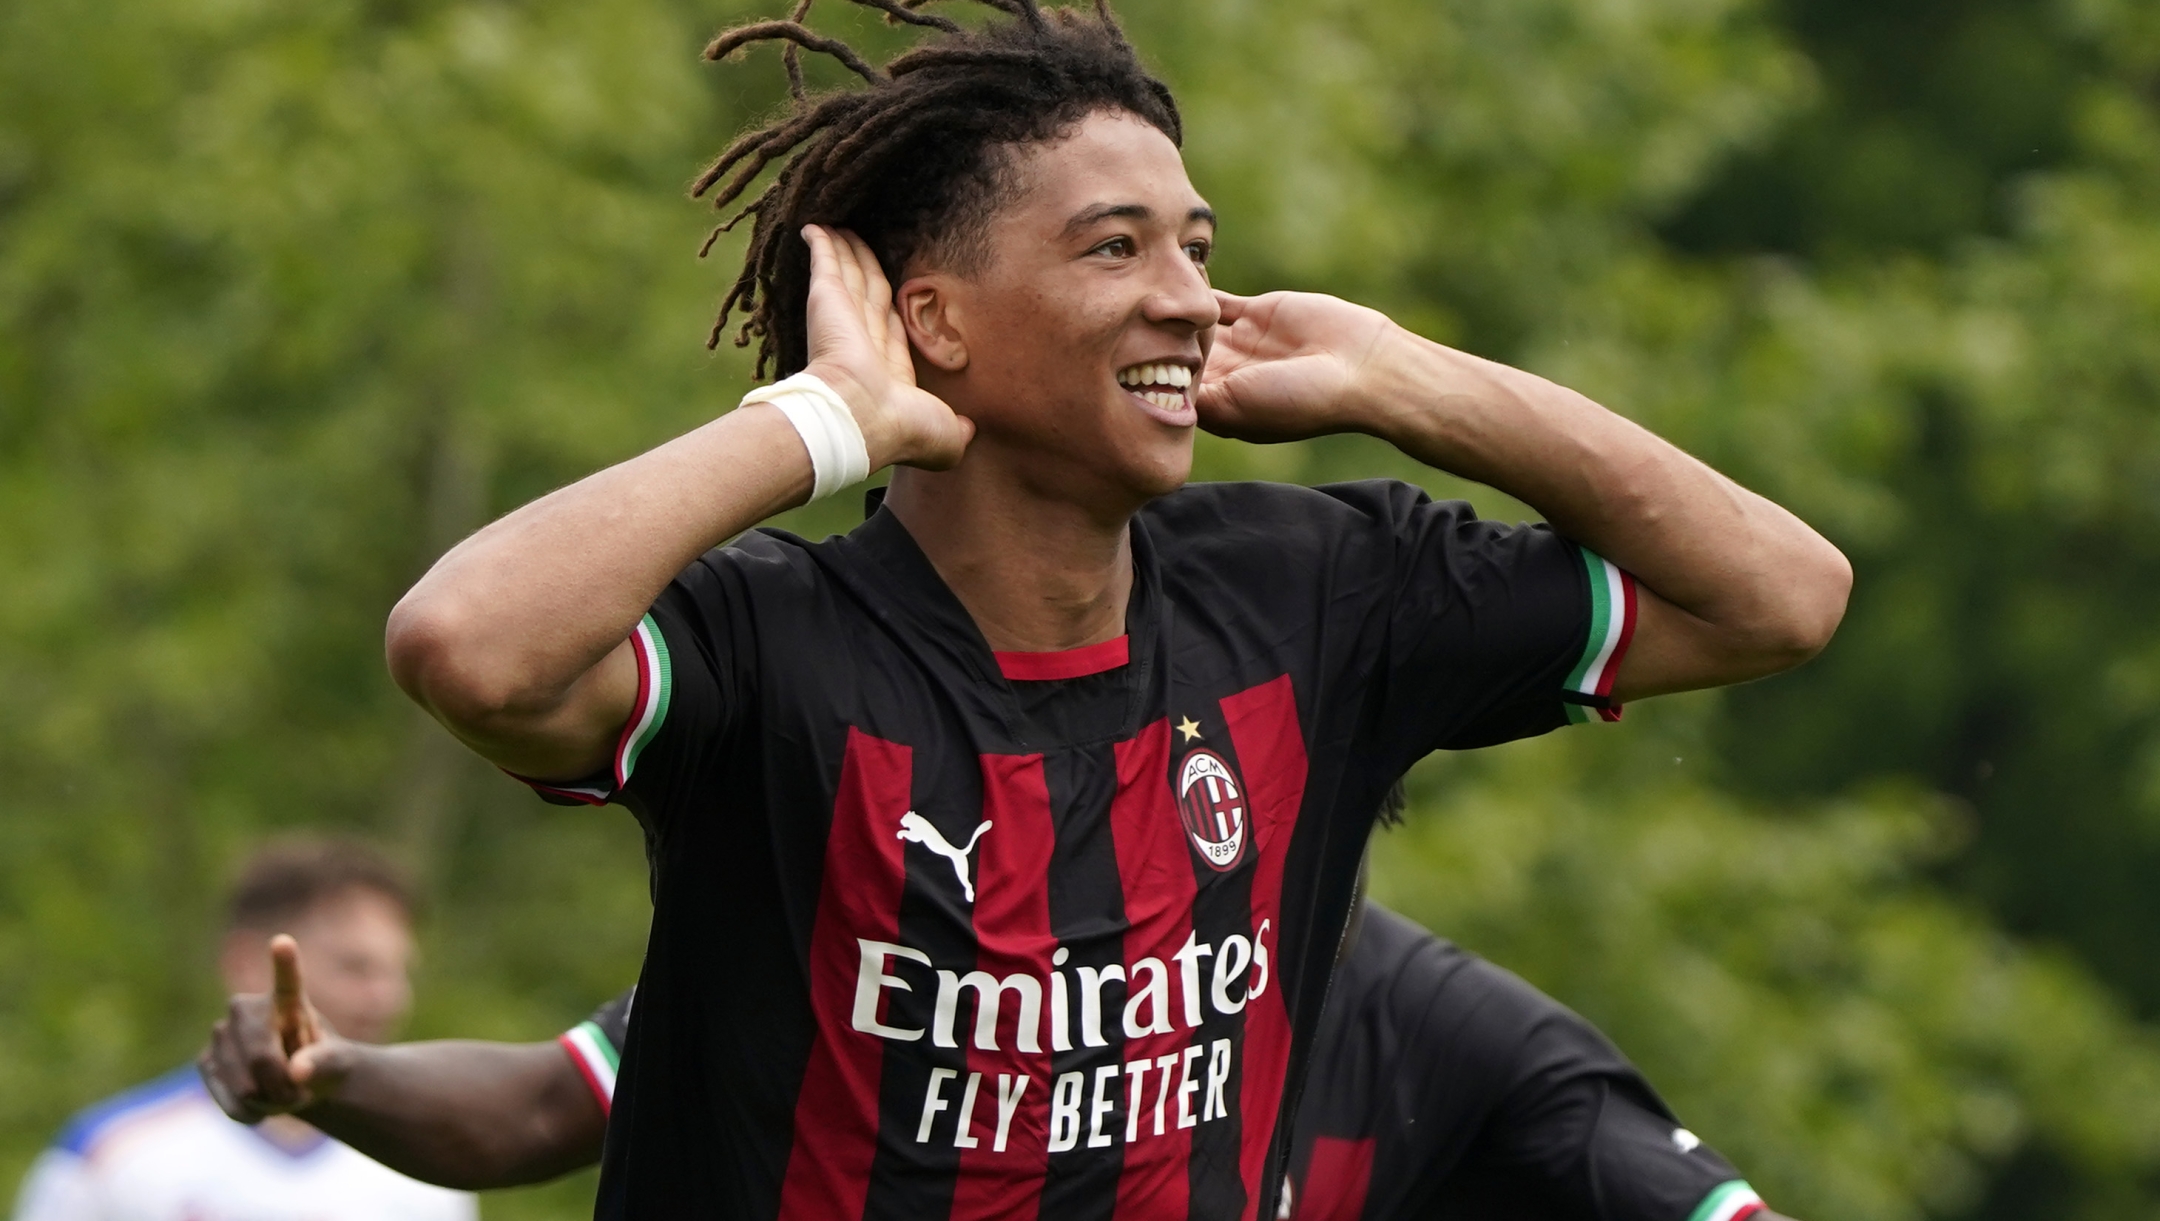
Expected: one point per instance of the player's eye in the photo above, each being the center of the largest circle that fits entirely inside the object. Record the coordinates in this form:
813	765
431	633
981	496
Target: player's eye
1117	247
1198	250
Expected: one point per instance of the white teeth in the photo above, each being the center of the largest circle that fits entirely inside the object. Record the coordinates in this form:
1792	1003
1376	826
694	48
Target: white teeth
1156	375
1165	400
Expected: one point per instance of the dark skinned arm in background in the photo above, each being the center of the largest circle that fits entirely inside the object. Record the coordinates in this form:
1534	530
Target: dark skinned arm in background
457	1113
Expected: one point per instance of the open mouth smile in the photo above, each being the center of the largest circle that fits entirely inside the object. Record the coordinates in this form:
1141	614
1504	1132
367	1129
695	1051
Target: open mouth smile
1163	388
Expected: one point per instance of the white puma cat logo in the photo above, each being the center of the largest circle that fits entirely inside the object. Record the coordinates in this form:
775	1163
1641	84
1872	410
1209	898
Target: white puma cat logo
916	829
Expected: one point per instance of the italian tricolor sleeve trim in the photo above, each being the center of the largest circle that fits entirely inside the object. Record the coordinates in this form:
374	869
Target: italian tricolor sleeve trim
1734	1201
595	1059
655	682
1588	691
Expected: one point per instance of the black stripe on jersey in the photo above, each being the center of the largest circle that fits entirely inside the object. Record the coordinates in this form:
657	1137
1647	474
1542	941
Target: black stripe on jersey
1087	915
911	1181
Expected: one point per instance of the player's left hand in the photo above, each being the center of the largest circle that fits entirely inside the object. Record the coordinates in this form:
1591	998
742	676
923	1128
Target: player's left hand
1286	366
272	1053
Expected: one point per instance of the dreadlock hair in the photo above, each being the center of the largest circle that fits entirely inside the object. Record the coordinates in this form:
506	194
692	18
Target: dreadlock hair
918	160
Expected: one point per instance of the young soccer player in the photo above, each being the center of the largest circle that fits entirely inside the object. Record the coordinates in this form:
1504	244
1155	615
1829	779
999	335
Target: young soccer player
1089	756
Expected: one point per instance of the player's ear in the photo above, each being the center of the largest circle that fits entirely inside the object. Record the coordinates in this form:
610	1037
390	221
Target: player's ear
935	321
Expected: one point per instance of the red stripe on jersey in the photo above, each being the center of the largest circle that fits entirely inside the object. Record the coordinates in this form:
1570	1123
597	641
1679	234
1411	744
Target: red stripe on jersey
1012	937
1619	653
599	1091
647	665
1155	869
1336	1180
1750	1210
836	1112
549	790
1066	663
1263	725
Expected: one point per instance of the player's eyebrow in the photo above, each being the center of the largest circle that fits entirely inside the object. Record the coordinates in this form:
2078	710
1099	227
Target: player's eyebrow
1096	213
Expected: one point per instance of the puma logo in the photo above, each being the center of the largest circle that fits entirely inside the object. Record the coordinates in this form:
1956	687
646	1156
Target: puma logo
916	829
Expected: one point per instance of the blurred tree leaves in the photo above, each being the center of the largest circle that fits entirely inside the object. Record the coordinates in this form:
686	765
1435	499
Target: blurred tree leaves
292	296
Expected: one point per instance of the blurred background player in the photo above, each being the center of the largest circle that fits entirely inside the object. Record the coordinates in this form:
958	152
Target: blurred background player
1443	1089
164	1151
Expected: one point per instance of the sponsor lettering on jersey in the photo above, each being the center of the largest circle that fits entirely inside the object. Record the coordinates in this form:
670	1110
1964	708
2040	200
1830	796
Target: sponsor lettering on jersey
1212	802
1156	1096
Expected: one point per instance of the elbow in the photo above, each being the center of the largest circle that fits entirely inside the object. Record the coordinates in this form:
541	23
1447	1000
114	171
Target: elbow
1803	611
439	654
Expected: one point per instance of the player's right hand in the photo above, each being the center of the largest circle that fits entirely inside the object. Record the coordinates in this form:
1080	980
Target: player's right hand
859	347
272	1053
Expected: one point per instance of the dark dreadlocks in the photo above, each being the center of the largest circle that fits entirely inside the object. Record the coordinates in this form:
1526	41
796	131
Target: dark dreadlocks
917	162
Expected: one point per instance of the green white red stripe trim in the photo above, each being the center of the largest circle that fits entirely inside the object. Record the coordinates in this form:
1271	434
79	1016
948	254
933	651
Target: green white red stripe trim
595	1059
1588	690
655	683
1732	1201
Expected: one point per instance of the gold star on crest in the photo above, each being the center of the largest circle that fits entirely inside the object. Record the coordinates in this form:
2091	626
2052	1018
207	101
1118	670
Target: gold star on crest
1189	727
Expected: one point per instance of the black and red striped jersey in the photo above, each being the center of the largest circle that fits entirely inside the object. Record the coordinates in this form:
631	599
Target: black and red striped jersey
1444	1088
942	933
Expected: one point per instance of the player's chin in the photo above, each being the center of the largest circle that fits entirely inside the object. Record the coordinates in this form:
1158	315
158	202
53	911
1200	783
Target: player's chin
1161	465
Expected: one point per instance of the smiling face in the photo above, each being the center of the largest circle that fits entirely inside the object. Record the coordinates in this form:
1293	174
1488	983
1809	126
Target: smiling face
1076	344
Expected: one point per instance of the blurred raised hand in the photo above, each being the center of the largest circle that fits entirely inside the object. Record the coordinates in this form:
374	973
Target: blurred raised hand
272	1053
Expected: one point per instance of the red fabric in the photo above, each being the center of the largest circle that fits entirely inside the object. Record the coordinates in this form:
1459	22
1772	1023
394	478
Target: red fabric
1335	1180
647	666
584	1070
1066	663
1012	932
1263	725
1155	869
836	1114
544	787
1619	653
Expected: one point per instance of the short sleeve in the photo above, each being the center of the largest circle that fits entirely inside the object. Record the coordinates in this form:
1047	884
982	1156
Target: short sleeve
689	651
1581	1136
1473	1035
595	1046
1645	1167
1495	632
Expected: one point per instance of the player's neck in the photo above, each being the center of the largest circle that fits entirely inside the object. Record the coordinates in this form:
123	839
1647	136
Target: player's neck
1036	573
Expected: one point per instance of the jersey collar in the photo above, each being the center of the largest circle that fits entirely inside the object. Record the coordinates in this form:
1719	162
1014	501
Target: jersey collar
915	602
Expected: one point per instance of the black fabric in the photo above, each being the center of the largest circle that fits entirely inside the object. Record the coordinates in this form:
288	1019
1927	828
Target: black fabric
1485	1099
613	1020
1343	631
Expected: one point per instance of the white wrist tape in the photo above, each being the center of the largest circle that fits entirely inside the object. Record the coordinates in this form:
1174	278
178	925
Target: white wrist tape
838	456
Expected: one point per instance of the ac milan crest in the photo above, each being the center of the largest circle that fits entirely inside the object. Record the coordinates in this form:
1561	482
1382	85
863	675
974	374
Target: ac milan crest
1212	802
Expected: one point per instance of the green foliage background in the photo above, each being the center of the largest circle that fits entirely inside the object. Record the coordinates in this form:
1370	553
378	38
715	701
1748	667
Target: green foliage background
293	295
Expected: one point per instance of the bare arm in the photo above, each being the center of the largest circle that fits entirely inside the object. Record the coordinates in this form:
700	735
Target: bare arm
1732	586
466	1114
460	1114
515	640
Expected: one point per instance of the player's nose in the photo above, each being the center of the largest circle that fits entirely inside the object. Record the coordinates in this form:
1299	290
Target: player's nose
1181	295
